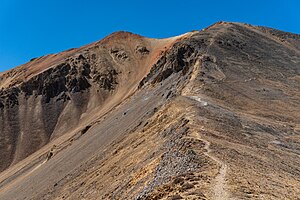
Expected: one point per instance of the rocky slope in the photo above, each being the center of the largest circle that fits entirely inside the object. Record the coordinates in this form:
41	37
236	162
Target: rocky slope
51	95
211	114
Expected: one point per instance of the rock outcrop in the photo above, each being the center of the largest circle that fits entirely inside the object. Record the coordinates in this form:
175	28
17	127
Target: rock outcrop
211	114
49	96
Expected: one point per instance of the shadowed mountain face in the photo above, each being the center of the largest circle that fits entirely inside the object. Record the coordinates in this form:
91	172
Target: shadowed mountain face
213	114
52	95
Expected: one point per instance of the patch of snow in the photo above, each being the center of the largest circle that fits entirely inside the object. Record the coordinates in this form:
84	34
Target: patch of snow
276	142
202	102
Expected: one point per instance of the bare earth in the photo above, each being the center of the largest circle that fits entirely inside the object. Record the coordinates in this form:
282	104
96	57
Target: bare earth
211	114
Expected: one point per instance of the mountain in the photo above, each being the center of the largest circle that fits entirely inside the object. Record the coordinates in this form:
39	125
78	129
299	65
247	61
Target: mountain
210	114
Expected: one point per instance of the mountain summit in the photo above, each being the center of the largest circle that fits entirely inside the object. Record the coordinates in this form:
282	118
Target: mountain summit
210	114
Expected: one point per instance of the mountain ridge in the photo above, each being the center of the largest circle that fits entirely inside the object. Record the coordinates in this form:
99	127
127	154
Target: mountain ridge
205	115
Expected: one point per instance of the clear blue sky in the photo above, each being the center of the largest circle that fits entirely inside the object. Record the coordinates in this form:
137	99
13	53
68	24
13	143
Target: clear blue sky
32	28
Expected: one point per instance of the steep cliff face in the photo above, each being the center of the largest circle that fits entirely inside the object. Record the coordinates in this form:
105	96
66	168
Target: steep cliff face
52	95
212	114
